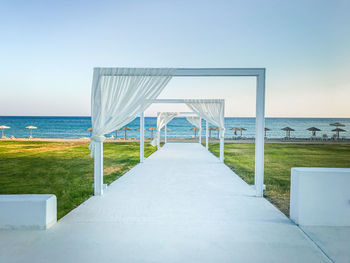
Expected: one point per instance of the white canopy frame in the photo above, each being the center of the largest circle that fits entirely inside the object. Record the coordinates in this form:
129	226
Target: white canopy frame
187	114
258	73
180	114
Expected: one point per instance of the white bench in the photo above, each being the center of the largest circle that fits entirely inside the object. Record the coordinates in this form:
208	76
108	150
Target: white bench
320	196
28	211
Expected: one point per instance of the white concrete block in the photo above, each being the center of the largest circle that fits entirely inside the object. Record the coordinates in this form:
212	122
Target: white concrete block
320	196
37	211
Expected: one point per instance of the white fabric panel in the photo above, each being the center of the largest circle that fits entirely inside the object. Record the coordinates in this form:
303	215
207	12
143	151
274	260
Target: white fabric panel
163	118
210	110
119	95
194	120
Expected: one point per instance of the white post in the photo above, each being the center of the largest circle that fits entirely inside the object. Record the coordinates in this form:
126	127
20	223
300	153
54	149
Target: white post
142	137
200	131
222	149
165	134
222	139
206	134
158	140
259	135
98	168
158	133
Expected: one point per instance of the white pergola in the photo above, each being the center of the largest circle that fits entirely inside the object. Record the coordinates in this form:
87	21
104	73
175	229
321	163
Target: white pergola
162	101
185	114
258	73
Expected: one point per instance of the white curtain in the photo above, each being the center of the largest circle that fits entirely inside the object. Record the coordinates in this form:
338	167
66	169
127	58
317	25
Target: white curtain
119	95
194	120
163	119
210	110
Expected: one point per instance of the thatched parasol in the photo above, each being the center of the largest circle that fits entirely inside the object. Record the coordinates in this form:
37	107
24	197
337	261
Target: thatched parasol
116	133
337	124
211	129
313	130
266	129
31	128
243	129
125	129
138	129
195	131
3	127
166	129
235	129
152	129
337	130
287	130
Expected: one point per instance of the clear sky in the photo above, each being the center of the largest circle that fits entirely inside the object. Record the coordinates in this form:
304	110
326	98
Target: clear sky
49	48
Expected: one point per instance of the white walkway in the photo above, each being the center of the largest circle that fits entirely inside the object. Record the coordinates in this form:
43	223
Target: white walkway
181	205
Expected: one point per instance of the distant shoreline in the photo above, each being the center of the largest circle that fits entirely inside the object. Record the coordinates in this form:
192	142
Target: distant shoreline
190	140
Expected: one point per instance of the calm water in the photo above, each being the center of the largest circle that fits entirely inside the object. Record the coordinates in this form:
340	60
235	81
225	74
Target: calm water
75	127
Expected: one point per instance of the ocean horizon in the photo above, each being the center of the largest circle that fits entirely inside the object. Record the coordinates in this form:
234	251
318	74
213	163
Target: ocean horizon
76	127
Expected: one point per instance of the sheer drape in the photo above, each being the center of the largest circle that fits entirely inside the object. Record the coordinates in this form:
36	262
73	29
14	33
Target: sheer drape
163	119
119	95
194	120
210	110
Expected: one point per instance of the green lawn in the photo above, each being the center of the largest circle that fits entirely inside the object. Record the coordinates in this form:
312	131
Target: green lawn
66	169
279	159
63	169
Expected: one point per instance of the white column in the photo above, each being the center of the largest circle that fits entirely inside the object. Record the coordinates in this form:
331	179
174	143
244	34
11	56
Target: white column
98	168
142	137
158	134
222	150
165	134
158	140
259	135
222	139
206	134
200	131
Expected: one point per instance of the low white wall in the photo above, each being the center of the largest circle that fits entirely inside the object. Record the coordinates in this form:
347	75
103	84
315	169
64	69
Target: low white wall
320	196
27	211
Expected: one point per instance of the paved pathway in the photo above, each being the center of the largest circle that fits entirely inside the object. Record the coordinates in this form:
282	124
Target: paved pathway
181	205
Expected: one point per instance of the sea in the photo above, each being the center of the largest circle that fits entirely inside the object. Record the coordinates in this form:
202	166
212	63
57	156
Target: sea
76	127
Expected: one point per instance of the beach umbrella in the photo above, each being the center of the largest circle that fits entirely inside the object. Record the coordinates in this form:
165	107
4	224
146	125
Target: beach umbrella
3	127
266	129
337	130
243	129
125	129
90	130
152	129
195	131
166	129
116	133
211	129
337	124
287	130
313	130
235	129
31	128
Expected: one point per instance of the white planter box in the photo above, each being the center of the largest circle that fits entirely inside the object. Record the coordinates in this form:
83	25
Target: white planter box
320	196
28	211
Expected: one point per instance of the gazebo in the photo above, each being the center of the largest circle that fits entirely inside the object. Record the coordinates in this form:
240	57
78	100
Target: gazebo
119	95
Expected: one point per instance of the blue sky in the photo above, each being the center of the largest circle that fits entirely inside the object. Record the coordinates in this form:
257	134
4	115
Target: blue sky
48	50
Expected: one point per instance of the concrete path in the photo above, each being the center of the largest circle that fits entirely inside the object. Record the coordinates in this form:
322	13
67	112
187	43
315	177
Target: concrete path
181	205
